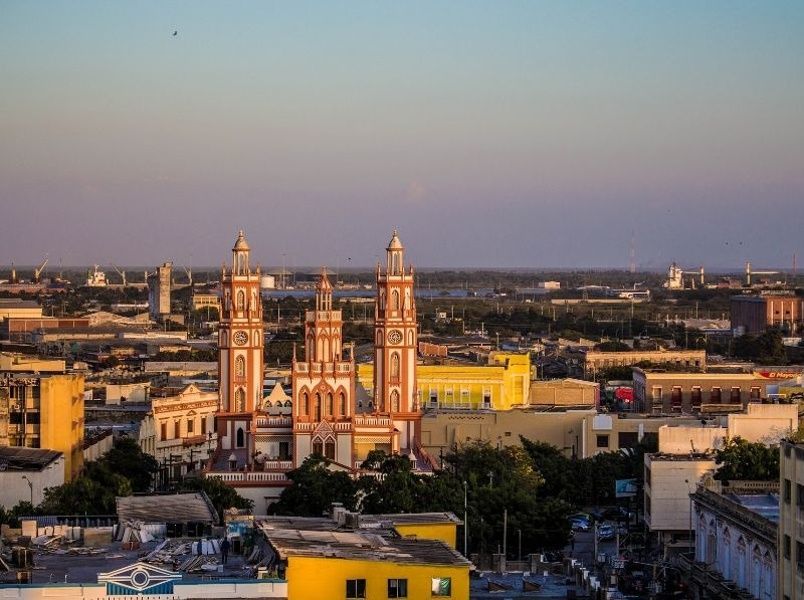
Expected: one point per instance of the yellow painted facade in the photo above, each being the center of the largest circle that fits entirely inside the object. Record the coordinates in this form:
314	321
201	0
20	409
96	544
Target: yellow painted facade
62	420
444	532
502	384
325	578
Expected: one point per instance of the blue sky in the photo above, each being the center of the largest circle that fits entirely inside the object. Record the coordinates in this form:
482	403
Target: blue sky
527	134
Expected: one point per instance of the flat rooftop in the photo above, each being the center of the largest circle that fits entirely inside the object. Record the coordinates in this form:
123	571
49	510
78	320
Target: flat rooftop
765	505
358	545
82	565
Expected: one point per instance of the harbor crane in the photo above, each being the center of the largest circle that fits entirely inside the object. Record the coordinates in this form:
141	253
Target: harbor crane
38	270
121	273
749	272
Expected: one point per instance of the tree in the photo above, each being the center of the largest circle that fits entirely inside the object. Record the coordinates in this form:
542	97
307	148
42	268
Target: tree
92	493
314	488
500	479
126	458
743	460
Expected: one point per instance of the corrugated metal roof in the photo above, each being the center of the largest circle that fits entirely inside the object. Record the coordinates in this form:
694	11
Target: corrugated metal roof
176	508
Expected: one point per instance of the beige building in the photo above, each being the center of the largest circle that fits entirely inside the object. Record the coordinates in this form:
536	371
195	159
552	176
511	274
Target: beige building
566	393
180	425
577	432
669	481
669	392
159	283
594	360
21	363
202	301
134	392
687	452
790	582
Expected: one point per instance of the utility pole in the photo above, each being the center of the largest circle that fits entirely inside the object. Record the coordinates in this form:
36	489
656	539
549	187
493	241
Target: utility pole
465	519
505	532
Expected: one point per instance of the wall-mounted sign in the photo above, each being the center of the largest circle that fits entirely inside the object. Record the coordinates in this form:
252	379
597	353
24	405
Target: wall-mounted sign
139	579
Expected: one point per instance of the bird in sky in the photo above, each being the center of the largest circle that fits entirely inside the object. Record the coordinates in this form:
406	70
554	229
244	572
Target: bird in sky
175	33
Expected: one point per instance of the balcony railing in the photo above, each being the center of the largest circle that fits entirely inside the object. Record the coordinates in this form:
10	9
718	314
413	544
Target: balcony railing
367	421
248	476
274	421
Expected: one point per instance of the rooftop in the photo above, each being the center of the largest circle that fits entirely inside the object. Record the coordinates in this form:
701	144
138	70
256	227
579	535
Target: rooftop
26	459
356	545
765	505
173	508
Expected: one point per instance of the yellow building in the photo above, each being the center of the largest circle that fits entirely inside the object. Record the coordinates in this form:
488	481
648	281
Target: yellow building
45	412
369	557
500	385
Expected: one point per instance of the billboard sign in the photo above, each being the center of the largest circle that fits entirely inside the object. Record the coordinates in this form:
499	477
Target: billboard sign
625	488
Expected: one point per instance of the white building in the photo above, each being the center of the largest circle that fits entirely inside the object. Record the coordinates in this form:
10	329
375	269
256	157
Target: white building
735	539
25	473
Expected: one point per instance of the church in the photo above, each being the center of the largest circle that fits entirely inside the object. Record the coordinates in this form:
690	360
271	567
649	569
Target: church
262	436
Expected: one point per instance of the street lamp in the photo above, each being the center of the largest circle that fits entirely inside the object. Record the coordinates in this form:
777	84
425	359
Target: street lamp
30	485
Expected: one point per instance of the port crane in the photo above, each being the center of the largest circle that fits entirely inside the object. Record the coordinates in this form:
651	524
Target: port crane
121	273
38	270
749	272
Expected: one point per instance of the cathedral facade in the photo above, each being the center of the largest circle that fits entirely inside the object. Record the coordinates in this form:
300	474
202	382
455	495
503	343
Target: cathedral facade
262	436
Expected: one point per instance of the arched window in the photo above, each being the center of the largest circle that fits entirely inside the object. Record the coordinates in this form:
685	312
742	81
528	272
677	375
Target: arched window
241	300
725	566
304	409
395	300
329	449
395	365
395	401
318	447
241	441
317	406
330	408
342	404
240	366
240	400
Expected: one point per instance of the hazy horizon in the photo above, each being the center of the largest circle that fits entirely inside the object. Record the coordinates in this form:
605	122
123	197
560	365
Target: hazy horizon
523	133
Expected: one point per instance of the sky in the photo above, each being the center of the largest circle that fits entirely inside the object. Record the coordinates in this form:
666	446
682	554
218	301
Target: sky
491	134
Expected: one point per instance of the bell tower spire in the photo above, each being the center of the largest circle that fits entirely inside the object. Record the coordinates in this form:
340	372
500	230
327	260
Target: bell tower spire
395	339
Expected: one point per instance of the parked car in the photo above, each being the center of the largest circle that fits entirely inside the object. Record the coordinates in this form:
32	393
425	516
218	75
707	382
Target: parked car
579	524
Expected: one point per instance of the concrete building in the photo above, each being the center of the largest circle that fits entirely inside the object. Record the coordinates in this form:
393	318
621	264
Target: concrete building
736	528
790	582
23	363
592	361
159	284
202	301
563	393
687	453
12	308
44	411
671	392
669	480
25	473
180	428
754	314
134	392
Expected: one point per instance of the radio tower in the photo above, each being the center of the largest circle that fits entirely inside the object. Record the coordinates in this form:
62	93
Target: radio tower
632	255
